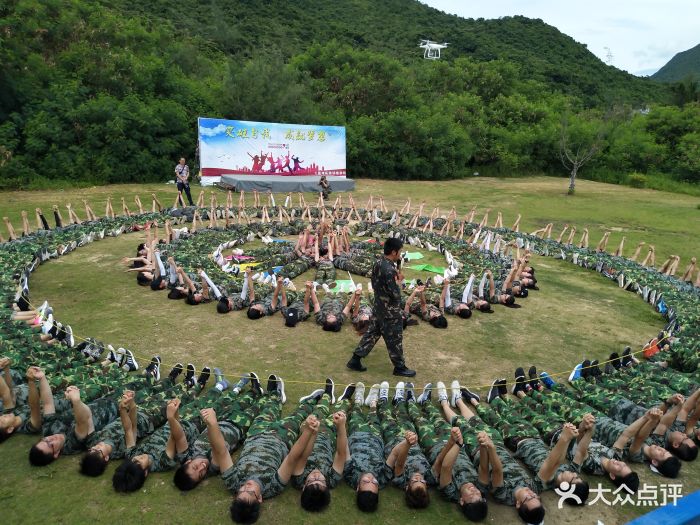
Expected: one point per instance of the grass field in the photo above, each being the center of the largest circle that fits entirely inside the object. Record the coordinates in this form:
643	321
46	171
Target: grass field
576	314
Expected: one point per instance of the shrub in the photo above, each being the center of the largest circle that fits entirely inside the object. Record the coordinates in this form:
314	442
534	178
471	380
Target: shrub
637	180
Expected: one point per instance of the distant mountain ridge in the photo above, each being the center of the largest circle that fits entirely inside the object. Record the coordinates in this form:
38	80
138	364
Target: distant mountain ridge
682	65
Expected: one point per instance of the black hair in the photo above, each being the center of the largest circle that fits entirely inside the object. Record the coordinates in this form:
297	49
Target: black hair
190	299
476	511
417	498
142	279
93	464
129	477
155	283
510	300
464	313
438	321
182	479
222	306
322	250
174	293
332	327
485	307
392	244
4	434
581	489
367	501
362	325
670	467
631	481
245	512
139	248
535	515
39	458
254	313
684	452
315	498
523	292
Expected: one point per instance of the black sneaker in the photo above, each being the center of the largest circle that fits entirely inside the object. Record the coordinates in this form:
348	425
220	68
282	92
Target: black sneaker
468	395
315	395
410	394
426	394
204	377
520	382
355	363
627	357
502	387
348	392
614	359
153	368
534	378
189	375
255	385
595	369
586	369
271	383
609	368
404	372
493	391
175	371
330	389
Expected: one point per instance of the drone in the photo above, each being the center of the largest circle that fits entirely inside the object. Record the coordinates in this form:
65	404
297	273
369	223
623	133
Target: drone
432	49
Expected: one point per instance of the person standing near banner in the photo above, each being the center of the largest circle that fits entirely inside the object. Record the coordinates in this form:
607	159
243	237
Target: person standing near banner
388	323
182	175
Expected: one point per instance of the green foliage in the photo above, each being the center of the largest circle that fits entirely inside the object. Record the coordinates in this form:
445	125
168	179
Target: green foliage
680	66
637	180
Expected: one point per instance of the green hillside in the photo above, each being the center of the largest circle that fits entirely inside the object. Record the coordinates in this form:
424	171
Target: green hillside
682	65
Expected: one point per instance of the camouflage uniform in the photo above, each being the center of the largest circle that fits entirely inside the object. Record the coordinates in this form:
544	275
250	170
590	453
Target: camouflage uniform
325	272
268	443
358	264
366	449
387	309
330	306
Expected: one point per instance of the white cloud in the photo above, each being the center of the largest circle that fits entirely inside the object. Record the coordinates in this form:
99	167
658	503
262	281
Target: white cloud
211	132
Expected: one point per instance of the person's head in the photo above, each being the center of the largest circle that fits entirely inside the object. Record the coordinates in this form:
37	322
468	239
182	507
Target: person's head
417	495
367	493
662	460
191	473
361	325
291	317
463	311
142	279
315	494
224	305
129	476
507	299
46	450
529	506
176	294
625	477
438	321
681	446
245	507
520	291
254	312
331	323
193	298
8	424
94	462
322	251
182	161
158	283
472	502
392	248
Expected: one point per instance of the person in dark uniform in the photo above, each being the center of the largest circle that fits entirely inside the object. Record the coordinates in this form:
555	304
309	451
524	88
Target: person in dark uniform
388	322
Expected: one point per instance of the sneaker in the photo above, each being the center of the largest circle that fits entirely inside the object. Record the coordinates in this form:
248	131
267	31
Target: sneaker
627	357
129	361
153	368
242	382
43	308
348	392
221	383
547	380
534	381
112	355
426	394
455	393
609	368
502	387
373	396
586	369
519	385
359	395
315	395
175	371
441	391
280	389
399	393
410	394
575	373
272	384
255	385
204	377
70	340
595	369
615	360
404	372
384	392
330	389
468	395
355	363
189	375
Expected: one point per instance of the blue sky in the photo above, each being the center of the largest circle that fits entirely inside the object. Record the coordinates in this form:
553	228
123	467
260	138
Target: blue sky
642	35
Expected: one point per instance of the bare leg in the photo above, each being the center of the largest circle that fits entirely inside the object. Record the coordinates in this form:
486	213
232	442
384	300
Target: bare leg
156	203
561	235
200	199
516	224
10	229
688	274
621	246
499	221
72	216
665	266
137	200
25	224
603	242
570	239
125	208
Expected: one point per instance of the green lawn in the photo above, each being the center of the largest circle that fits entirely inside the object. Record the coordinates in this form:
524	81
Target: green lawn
576	314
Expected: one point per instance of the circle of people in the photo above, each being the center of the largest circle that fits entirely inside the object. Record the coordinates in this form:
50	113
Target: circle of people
528	435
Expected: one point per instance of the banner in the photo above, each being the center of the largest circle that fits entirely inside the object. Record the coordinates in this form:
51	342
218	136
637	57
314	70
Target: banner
241	147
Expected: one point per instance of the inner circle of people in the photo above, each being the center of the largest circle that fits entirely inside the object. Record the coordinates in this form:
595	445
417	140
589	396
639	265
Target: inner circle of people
529	434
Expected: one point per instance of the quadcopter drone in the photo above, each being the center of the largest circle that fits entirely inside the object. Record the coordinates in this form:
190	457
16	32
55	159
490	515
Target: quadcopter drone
432	49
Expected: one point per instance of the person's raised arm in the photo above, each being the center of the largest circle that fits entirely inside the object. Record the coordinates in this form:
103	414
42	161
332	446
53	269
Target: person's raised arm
342	448
205	284
34	399
188	282
444	462
307	295
557	453
276	293
649	421
81	412
443	294
357	299
509	279
492	284
633	429
494	462
177	440
314	300
251	286
670	414
297	457
399	454
348	306
45	394
585	435
410	299
220	453
126	405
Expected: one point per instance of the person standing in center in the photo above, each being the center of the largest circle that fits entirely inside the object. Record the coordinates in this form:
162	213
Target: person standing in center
388	323
182	174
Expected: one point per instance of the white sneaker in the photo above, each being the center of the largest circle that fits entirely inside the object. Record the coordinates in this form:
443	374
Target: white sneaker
456	393
326	288
384	391
442	392
399	393
359	395
373	395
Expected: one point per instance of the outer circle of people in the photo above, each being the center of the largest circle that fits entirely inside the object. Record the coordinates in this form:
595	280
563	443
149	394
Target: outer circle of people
527	435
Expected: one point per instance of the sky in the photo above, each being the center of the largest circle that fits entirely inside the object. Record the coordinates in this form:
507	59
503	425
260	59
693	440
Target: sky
641	35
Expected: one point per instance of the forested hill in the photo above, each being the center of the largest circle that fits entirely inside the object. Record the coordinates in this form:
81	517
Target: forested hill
394	27
681	66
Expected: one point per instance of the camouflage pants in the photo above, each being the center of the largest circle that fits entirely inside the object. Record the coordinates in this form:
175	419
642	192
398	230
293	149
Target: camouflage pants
432	429
358	421
295	268
500	415
356	264
547	421
392	332
638	389
470	428
269	419
394	423
325	272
